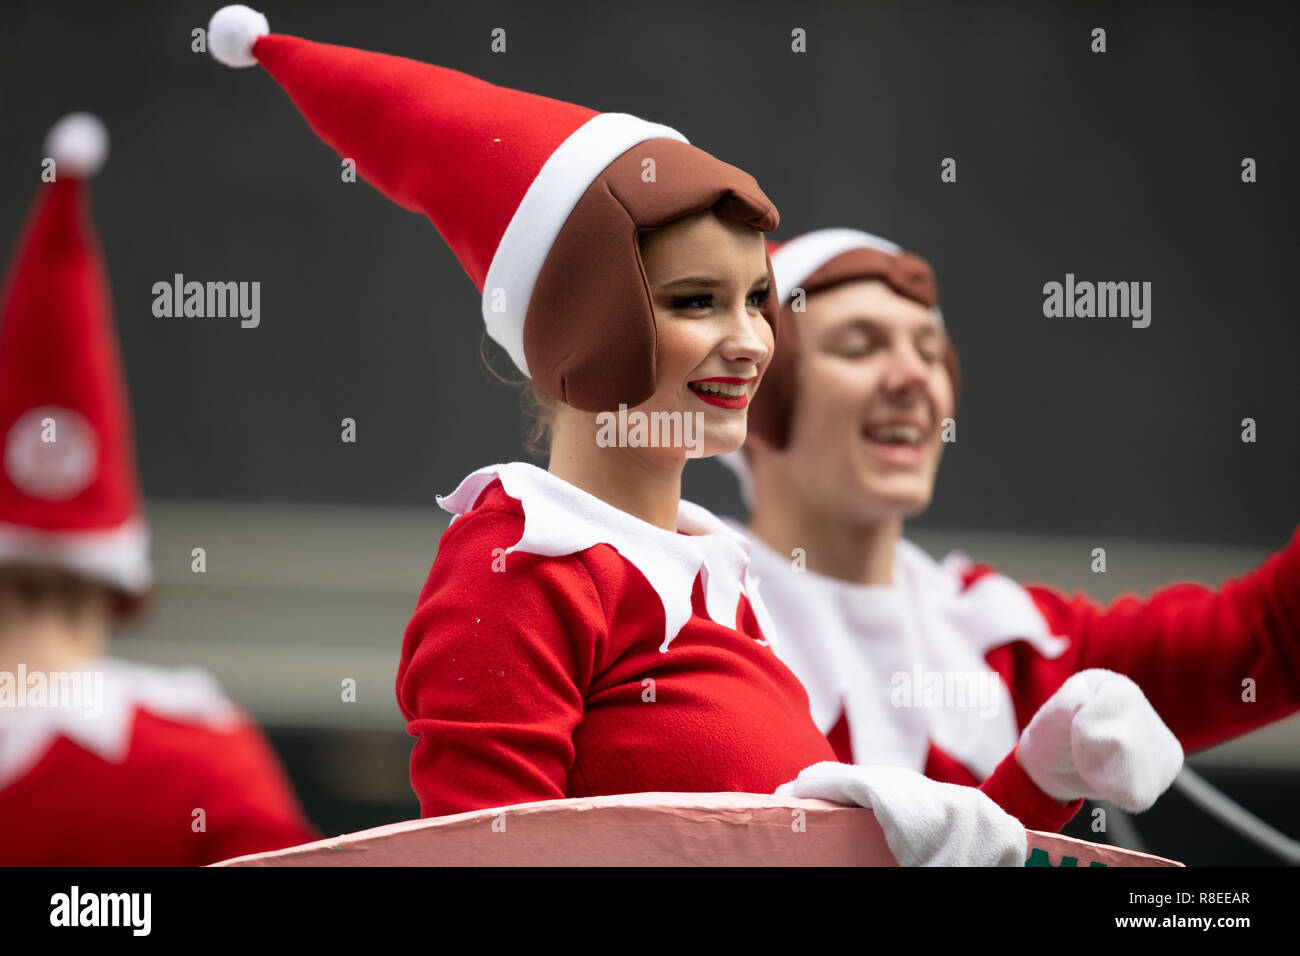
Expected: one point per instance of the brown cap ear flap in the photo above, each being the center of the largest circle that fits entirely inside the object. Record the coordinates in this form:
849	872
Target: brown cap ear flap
589	335
590	325
954	373
770	410
771	308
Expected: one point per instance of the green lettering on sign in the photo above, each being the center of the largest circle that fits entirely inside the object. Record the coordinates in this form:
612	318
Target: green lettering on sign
1038	857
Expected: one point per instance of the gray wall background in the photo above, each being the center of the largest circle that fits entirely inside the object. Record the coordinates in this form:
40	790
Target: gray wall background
1122	166
1073	433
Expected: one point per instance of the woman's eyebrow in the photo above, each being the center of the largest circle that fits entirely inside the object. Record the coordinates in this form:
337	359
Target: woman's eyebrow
710	283
693	280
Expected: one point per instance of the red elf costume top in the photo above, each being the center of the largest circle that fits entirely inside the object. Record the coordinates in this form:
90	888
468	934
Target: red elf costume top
1186	646
562	647
115	778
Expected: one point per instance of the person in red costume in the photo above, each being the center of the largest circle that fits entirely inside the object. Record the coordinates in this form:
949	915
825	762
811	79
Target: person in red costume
583	630
103	762
950	668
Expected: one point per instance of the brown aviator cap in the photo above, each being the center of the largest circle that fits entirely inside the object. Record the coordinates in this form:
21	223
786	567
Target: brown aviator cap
589	333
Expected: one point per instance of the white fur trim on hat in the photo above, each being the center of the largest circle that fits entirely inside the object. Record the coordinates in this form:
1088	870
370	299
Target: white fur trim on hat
78	144
551	197
799	258
118	557
232	32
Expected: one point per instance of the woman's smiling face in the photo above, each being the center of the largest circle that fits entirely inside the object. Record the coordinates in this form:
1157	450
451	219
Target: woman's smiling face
708	283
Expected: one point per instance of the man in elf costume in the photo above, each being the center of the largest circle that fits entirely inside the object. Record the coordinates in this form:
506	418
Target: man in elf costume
950	668
103	762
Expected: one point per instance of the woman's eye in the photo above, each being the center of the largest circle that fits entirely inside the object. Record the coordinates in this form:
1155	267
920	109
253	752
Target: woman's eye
688	302
759	299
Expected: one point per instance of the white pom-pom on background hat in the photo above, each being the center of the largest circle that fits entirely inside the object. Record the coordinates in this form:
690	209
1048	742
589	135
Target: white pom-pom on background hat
232	32
78	144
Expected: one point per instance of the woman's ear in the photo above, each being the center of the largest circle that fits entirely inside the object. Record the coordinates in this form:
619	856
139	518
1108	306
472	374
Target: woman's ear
954	371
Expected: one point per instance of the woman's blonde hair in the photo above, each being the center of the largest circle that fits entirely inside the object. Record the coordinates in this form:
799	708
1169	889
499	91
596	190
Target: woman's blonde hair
539	407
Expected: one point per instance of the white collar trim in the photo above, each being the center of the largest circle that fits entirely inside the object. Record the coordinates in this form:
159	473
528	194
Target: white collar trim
852	639
562	519
188	694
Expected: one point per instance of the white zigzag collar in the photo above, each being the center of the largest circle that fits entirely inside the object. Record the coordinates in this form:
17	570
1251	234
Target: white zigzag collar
561	519
188	694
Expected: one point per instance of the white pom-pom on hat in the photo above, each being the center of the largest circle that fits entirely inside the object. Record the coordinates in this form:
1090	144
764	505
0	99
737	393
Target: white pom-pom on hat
232	32
78	144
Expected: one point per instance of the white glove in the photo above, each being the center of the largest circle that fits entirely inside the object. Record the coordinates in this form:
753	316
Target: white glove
926	823
1099	737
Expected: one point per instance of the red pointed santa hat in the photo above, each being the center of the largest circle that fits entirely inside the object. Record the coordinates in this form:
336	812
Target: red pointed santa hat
811	263
68	489
541	201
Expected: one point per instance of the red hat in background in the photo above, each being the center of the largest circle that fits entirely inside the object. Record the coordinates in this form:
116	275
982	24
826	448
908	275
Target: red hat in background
540	200
69	495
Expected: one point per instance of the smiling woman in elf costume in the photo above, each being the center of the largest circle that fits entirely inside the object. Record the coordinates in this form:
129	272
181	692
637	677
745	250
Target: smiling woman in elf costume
112	772
583	630
844	443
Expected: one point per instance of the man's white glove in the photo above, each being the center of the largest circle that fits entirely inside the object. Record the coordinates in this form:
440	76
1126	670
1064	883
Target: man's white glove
1099	737
926	823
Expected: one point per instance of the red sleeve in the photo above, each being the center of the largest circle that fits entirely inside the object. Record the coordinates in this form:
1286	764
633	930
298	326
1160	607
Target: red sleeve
494	669
248	802
1011	789
1188	647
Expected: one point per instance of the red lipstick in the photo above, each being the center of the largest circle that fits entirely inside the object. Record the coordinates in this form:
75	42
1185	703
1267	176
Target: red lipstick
722	401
